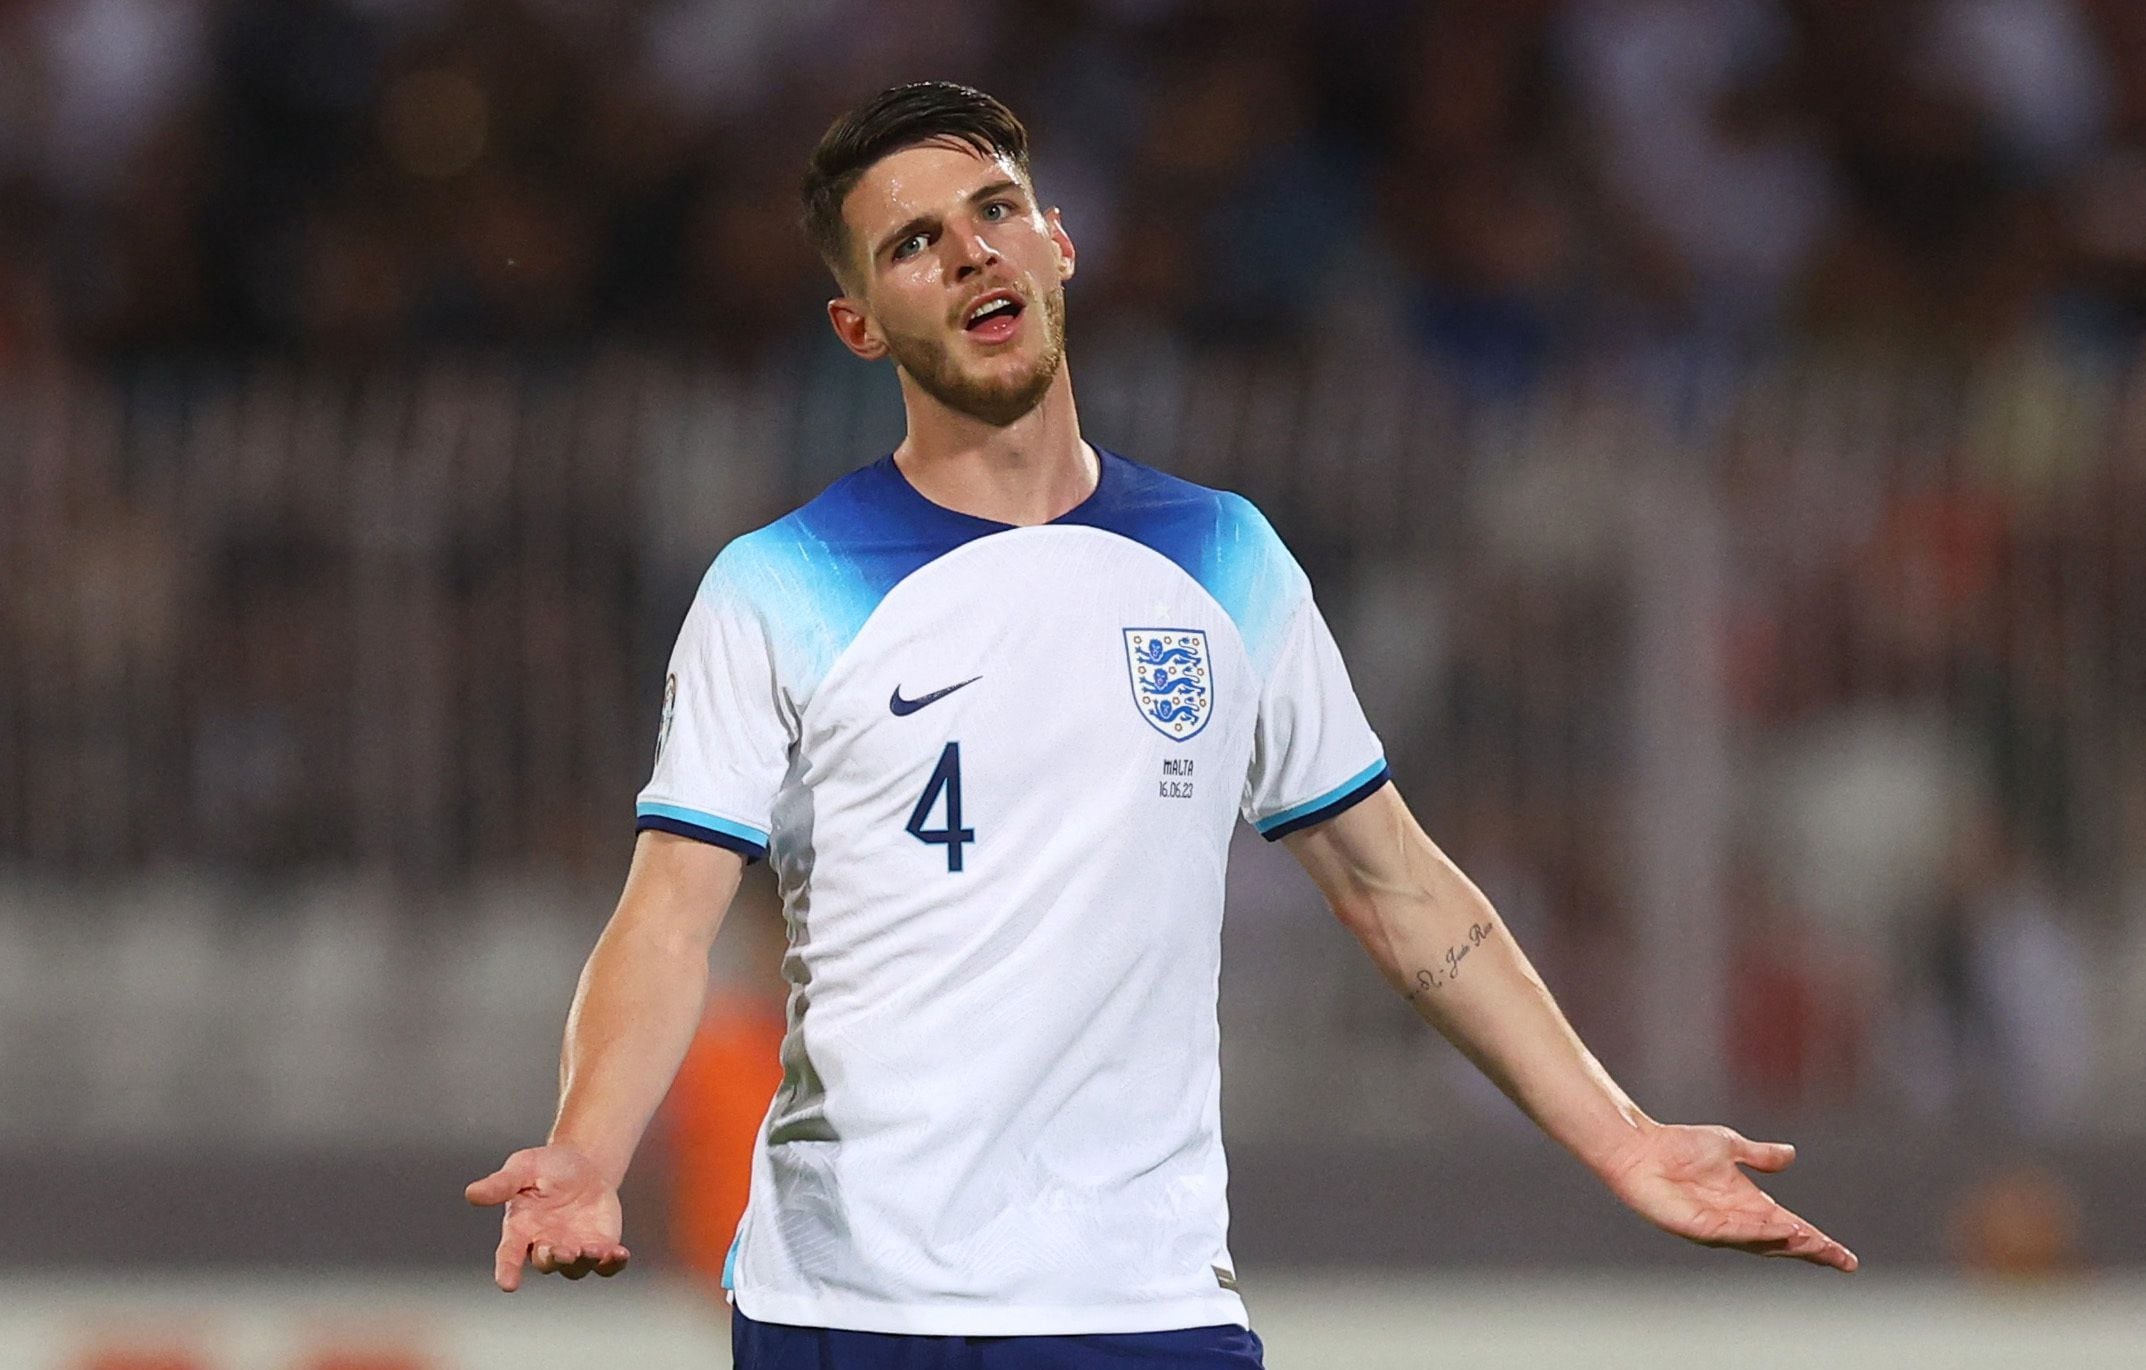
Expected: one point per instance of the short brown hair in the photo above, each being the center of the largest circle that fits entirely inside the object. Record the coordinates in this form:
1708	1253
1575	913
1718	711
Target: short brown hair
900	117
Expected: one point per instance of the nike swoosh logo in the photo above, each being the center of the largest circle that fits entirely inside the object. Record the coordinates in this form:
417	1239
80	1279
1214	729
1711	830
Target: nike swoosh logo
904	707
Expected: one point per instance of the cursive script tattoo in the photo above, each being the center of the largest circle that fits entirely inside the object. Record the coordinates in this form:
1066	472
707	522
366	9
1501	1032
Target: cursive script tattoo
1448	969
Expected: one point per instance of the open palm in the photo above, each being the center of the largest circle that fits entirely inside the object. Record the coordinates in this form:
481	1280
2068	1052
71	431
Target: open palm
562	1216
1686	1180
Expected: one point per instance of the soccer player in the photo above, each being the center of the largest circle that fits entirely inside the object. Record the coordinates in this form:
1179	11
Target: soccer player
991	706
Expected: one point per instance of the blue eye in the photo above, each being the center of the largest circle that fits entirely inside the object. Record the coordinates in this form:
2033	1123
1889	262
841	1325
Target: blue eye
997	209
908	247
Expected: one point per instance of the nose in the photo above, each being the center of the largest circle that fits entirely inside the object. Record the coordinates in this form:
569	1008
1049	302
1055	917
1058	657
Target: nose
973	253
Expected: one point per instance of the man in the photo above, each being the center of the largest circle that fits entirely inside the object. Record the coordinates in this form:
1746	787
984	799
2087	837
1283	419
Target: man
991	706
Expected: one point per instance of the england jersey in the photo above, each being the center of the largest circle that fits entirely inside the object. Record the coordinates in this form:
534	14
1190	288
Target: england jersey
995	770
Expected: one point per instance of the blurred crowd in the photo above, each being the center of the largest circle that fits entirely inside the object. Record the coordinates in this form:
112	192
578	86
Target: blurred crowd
1389	267
1496	184
408	627
1917	603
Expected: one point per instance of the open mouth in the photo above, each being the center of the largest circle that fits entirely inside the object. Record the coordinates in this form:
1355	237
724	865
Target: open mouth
994	317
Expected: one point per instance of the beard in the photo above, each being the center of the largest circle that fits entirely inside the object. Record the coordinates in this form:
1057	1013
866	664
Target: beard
998	401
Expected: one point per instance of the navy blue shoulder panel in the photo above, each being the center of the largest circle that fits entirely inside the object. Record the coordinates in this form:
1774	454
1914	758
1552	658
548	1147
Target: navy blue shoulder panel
875	520
818	573
1217	537
815	575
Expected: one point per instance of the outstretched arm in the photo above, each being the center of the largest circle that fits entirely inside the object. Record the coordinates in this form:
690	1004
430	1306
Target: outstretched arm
633	1017
1438	941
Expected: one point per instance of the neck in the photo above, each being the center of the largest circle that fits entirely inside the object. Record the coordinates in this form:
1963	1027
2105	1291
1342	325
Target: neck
1028	472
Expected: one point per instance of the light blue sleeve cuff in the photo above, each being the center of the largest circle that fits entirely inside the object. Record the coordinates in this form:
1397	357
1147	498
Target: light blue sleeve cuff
748	841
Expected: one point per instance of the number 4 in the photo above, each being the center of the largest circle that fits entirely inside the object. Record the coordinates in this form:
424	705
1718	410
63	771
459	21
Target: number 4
946	777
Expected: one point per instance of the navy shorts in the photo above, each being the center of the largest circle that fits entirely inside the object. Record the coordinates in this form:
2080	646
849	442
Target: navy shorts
778	1346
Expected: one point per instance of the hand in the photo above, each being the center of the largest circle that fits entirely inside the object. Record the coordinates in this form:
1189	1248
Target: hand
562	1216
1685	1180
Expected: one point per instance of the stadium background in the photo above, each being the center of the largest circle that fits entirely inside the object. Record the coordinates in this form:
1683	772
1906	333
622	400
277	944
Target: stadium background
1717	429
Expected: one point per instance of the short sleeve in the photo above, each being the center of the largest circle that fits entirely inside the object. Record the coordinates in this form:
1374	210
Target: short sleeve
1313	753
723	746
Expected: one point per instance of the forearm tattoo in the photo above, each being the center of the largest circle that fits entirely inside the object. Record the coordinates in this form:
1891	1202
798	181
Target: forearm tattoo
1447	969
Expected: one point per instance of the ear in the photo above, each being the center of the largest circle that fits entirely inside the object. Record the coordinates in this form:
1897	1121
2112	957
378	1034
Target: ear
1066	253
855	328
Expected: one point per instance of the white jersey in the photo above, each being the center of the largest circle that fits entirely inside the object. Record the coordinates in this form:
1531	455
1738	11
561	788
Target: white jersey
996	769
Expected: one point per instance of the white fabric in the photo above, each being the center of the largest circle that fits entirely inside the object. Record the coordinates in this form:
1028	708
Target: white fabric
1000	1105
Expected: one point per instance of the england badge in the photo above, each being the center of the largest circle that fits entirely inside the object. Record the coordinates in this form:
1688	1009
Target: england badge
1173	682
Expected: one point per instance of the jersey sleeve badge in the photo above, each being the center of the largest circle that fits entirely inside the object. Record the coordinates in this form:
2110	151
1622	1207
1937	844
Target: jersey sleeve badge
670	710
